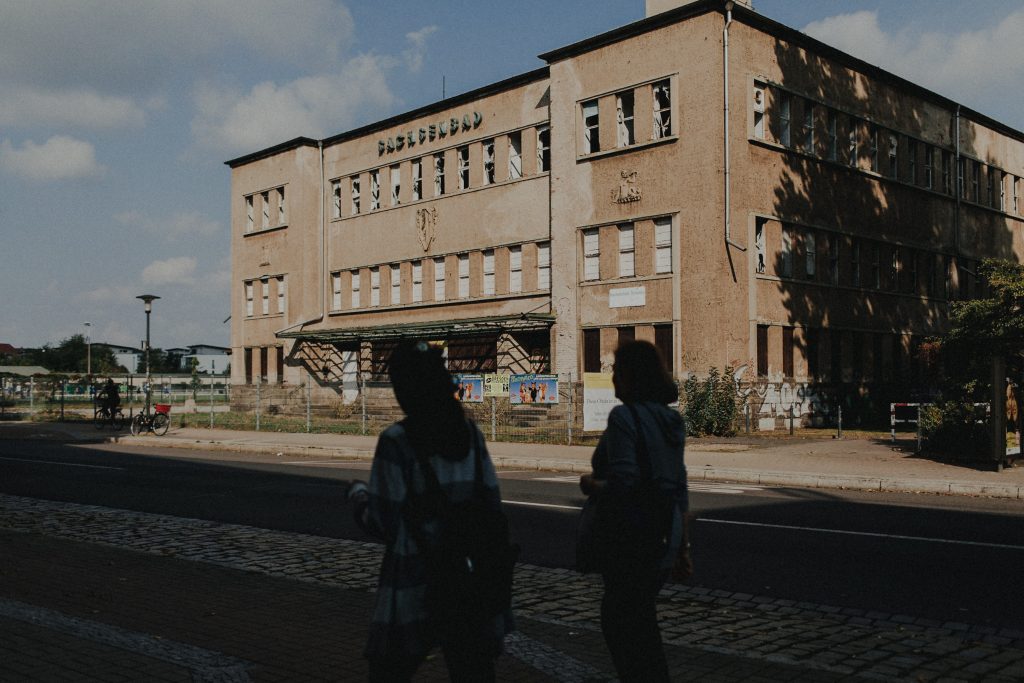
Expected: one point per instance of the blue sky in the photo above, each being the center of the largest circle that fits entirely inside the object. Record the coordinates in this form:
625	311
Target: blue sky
116	119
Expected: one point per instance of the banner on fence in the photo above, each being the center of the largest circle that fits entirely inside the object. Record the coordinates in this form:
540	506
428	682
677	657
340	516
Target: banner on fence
598	400
533	389
469	388
496	384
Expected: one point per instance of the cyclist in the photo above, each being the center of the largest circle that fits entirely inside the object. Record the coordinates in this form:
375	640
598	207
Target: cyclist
109	398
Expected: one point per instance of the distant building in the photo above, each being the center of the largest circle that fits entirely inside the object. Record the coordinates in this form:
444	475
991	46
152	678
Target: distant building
707	179
211	359
125	356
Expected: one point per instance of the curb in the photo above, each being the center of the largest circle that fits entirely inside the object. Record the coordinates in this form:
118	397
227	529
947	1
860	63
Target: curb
715	474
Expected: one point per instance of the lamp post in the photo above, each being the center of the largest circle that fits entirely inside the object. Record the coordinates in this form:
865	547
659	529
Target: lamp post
88	351
148	300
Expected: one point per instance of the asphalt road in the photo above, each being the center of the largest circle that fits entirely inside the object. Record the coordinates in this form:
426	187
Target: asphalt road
946	558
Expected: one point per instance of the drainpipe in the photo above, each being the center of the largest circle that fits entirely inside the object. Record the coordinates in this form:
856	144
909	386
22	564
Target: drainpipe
725	114
323	237
958	183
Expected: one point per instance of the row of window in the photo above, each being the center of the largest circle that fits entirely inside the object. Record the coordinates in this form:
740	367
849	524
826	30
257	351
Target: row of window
273	213
451	278
264	354
837	355
437	164
655	98
615	336
265	296
833	259
654	235
821	131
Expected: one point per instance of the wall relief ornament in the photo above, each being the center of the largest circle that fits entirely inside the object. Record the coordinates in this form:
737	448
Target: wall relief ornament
426	222
627	191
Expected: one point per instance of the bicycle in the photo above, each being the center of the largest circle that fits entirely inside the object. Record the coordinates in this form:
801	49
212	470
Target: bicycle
157	422
103	415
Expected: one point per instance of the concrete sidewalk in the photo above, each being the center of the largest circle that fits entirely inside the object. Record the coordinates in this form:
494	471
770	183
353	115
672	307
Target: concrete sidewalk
816	463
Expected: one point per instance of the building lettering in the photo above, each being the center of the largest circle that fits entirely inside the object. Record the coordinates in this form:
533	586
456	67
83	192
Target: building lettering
442	129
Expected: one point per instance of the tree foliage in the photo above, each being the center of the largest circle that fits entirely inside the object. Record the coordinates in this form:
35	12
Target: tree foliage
711	404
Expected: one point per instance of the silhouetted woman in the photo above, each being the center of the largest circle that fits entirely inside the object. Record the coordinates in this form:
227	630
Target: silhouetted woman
628	616
400	634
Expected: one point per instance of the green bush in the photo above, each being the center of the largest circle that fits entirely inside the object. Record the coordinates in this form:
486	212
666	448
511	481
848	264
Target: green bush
710	404
952	428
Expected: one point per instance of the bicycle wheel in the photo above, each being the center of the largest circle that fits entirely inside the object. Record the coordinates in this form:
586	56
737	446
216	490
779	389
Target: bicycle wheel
99	418
138	425
117	422
160	424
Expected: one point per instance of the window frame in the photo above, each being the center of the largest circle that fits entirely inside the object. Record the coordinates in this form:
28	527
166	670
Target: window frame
488	273
515	155
439	282
627	249
439	184
487	147
544	266
515	269
543	149
395	179
625	118
662	114
663	245
591	126
591	245
462	155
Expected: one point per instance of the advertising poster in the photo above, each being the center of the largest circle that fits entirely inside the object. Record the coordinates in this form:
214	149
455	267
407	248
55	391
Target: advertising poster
541	389
469	388
496	385
598	400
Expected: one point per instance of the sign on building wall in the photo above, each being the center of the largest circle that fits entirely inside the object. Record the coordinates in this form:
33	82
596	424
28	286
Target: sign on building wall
496	384
533	389
469	388
598	400
625	297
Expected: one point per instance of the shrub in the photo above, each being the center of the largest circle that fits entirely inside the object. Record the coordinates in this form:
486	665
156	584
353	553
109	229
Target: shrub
952	428
710	404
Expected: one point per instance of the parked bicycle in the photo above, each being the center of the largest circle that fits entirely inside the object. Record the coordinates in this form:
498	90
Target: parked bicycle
105	415
157	422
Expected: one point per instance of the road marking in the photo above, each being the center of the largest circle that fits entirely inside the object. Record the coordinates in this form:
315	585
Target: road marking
569	479
204	665
541	505
706	486
66	464
335	463
900	537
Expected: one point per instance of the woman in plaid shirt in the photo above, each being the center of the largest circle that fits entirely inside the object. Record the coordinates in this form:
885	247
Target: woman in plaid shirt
400	635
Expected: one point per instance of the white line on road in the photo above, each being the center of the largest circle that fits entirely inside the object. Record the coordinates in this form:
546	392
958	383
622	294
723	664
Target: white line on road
66	464
898	537
541	505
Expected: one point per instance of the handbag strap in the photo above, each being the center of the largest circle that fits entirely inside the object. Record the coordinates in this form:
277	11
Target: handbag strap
643	456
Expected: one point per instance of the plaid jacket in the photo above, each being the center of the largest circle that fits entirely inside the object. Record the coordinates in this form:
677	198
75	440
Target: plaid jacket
399	623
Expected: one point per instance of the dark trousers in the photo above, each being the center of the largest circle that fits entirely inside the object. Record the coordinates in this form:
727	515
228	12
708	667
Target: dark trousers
465	665
629	622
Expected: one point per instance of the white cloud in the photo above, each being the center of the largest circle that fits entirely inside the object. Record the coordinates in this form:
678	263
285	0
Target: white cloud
417	47
79	107
179	270
270	113
982	68
177	225
59	158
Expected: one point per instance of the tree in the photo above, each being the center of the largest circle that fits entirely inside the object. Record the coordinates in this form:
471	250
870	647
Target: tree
987	327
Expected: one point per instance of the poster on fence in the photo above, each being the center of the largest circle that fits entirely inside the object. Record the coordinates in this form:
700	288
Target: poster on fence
496	384
533	389
598	400
469	388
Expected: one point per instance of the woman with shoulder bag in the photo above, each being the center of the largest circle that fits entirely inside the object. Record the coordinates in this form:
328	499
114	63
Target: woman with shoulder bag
433	459
639	481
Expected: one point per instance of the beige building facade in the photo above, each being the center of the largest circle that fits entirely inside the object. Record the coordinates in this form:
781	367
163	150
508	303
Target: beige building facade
707	179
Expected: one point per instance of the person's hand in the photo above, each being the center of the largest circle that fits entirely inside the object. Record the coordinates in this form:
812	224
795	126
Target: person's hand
357	492
589	485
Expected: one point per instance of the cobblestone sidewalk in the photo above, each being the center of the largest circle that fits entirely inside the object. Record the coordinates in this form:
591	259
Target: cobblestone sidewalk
838	643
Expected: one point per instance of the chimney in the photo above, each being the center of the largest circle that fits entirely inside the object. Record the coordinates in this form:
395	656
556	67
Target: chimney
659	6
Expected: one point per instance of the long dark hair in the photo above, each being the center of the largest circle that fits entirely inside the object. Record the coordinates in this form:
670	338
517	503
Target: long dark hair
642	374
435	421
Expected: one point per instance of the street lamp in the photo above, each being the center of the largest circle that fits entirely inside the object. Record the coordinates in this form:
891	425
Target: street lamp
148	300
88	351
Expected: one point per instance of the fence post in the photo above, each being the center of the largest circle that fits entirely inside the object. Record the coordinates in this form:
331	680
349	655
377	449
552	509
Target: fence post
918	429
62	388
258	404
362	397
494	418
569	413
211	400
32	395
309	401
791	432
746	416
840	434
